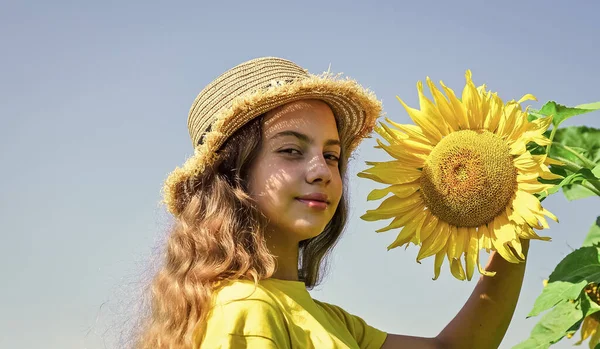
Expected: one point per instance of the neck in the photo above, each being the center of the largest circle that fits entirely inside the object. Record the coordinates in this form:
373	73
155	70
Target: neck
286	256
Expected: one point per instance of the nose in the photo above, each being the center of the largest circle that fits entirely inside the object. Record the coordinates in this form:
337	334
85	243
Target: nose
318	170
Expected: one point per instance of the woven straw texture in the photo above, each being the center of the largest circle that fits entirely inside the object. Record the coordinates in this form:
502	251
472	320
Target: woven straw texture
253	88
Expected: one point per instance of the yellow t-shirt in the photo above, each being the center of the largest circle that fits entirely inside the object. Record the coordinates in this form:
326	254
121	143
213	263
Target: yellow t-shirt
282	314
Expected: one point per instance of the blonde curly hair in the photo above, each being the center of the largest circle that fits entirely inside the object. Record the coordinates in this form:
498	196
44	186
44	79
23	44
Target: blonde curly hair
219	236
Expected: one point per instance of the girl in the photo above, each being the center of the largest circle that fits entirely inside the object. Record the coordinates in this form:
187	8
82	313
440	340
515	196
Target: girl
258	208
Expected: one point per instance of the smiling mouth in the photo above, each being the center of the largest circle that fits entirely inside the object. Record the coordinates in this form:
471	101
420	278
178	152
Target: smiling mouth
316	204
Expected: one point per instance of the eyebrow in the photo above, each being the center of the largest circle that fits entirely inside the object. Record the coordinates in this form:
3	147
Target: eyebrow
304	138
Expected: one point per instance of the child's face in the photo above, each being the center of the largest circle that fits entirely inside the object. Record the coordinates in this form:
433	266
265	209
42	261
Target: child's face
296	179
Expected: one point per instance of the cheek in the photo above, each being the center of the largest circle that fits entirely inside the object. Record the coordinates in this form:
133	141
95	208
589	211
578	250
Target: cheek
270	181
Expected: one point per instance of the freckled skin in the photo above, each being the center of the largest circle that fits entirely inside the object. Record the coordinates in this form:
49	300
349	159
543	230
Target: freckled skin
288	167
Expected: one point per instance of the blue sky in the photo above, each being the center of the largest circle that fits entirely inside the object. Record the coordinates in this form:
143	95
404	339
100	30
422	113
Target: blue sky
93	106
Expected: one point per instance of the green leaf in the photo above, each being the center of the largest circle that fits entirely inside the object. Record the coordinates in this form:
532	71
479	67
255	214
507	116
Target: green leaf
580	138
593	236
577	191
588	174
533	114
596	171
532	344
593	106
536	149
576	265
570	276
565	319
573	178
556	293
561	113
553	326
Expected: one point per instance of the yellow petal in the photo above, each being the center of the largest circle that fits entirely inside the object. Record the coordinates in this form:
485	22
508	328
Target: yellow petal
483	234
413	131
535	131
503	232
550	215
456	242
430	109
589	327
550	161
456	269
436	241
532	166
543	162
494	113
408	232
460	112
400	190
529	208
517	248
405	159
471	100
485	238
526	162
595	340
444	107
429	225
437	265
390	134
413	146
526	205
404	217
526	232
423	121
513	216
527	97
485	99
520	125
393	206
505	127
472	252
532	186
390	173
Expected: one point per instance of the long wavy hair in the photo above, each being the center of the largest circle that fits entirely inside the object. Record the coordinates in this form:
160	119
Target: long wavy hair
218	237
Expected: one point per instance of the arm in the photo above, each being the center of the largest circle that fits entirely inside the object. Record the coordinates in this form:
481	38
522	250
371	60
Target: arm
484	319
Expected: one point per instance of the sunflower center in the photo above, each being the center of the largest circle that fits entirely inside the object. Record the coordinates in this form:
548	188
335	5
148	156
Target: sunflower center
469	178
593	292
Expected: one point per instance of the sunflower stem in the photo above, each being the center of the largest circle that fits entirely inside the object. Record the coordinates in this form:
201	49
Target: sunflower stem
590	187
573	167
595	184
589	164
569	165
551	140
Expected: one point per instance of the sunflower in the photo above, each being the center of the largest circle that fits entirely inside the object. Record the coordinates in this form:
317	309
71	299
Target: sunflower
591	324
462	178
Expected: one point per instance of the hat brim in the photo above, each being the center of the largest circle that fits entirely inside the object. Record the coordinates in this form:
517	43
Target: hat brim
355	108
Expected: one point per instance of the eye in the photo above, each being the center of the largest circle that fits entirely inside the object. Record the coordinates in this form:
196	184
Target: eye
290	151
332	157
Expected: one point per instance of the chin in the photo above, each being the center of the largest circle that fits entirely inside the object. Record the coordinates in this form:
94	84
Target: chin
308	231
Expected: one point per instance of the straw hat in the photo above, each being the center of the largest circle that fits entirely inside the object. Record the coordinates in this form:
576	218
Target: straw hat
253	88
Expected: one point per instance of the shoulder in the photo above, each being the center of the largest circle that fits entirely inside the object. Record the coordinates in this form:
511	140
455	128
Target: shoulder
245	308
364	334
240	290
334	310
244	295
244	315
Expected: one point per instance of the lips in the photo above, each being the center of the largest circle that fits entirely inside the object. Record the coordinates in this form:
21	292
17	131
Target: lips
319	197
315	201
